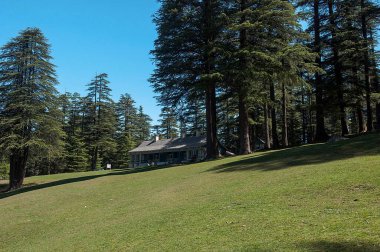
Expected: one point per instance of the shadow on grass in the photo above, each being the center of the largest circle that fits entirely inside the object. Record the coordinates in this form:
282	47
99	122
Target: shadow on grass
367	145
3	187
328	246
34	187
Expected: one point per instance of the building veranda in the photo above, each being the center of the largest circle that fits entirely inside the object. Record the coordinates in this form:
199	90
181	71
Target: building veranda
168	151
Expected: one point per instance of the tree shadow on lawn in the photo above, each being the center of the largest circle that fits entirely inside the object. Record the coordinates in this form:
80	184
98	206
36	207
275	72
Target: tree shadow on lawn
34	187
368	145
349	246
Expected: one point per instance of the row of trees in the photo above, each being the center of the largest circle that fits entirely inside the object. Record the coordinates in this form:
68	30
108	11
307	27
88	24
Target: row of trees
240	70
43	132
98	130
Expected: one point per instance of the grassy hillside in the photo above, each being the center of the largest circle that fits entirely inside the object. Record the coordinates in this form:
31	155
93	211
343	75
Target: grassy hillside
322	197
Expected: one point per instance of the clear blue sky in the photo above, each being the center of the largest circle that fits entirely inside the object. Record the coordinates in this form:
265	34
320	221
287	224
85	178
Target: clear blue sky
92	36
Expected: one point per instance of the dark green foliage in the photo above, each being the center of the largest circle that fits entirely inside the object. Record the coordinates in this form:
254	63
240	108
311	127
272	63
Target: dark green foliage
42	132
187	54
273	81
228	121
246	45
100	122
125	143
169	127
144	125
128	115
346	44
29	111
128	131
192	116
76	158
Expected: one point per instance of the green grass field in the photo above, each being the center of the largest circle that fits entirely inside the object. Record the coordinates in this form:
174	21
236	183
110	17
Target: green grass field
323	197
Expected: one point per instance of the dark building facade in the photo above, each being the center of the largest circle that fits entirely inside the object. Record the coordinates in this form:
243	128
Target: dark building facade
168	151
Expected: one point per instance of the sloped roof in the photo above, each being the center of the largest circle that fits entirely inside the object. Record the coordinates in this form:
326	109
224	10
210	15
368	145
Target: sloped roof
167	145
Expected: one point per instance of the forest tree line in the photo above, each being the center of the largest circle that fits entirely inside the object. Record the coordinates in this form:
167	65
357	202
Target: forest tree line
45	132
281	72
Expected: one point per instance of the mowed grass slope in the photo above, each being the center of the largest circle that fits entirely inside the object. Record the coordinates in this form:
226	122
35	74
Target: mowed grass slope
322	197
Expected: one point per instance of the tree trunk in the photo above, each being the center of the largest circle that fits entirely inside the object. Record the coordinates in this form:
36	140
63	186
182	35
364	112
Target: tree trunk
310	132
376	77
276	144
245	146
378	116
285	141
244	139
359	112
253	133
212	142
366	69
337	71
266	127
227	122
304	119
94	159
17	172
377	103
209	38
320	134
359	106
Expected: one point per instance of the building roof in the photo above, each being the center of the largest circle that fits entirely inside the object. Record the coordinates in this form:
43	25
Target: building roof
168	145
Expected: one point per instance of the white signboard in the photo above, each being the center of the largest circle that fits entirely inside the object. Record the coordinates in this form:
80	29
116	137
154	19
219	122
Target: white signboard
109	166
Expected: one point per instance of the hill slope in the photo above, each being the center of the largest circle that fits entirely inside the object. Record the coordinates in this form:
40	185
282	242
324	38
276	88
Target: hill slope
322	197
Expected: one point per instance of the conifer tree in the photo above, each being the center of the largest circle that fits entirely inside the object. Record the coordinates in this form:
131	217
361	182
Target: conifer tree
125	143
169	127
75	152
320	134
273	104
128	126
316	23
144	122
101	120
355	49
30	119
265	29
76	158
194	115
370	19
128	115
338	74
346	58
186	57
211	29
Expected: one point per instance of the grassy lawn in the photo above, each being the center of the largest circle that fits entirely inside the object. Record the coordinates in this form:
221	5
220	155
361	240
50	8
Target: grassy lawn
323	197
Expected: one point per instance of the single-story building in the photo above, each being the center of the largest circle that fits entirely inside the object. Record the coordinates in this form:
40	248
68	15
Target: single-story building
168	151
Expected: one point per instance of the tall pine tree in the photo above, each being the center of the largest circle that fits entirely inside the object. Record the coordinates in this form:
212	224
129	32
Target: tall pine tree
29	115
101	122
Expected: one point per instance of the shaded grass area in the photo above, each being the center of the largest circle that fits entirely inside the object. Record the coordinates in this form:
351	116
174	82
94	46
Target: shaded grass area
270	201
28	187
3	185
334	246
307	155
